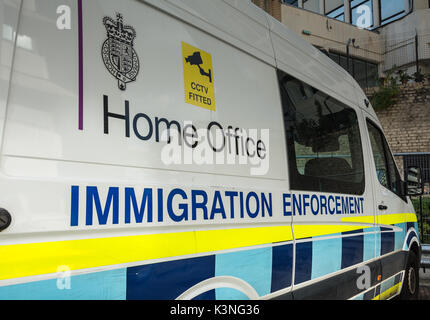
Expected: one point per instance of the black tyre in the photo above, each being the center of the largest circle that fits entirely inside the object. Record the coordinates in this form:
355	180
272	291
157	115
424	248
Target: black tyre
411	281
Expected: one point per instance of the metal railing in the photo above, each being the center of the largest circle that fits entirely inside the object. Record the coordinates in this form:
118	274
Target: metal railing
422	203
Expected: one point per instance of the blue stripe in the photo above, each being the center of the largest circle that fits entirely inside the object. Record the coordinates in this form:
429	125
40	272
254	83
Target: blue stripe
106	285
251	266
352	250
387	241
168	280
410	236
303	269
326	256
369	244
282	267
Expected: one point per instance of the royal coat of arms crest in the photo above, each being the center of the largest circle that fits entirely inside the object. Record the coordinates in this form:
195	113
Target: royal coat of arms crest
118	53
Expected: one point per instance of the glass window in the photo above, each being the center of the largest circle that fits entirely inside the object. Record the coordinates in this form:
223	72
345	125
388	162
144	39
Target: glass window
338	13
372	74
390	8
393	172
386	168
312	5
294	3
332	5
344	62
393	18
335	57
378	154
323	137
360	72
365	73
362	13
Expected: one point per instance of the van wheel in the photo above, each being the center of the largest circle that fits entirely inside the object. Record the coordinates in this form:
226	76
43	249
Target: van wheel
411	282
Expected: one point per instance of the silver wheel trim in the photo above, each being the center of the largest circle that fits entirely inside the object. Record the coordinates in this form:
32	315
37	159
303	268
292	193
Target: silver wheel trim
411	280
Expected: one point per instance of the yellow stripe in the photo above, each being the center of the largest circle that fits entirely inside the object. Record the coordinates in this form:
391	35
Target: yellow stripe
363	219
307	231
44	258
384	219
397	218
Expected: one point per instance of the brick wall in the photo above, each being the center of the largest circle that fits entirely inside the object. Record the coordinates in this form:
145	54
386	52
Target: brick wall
273	7
407	123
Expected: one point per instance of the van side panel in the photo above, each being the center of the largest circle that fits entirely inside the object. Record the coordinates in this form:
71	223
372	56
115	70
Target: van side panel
97	213
9	12
105	202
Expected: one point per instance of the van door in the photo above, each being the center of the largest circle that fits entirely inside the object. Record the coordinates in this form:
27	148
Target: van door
391	207
331	200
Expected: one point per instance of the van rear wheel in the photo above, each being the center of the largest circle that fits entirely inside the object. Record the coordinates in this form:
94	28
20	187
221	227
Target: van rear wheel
411	281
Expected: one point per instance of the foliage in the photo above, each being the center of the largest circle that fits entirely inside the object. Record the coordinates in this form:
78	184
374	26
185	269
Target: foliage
404	77
418	76
387	92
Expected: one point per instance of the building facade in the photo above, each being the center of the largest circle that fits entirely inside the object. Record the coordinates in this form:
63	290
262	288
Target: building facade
366	37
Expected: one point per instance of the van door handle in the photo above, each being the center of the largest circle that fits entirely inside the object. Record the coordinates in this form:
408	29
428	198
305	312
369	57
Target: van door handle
382	207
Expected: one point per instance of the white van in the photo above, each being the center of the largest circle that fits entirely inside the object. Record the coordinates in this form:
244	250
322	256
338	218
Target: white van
273	179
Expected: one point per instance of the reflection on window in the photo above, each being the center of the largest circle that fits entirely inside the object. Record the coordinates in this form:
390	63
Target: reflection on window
360	72
364	72
361	11
386	168
312	5
331	5
324	145
294	3
378	154
335	9
23	41
391	9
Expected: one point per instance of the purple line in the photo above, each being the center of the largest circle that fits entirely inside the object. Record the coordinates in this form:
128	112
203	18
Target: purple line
81	66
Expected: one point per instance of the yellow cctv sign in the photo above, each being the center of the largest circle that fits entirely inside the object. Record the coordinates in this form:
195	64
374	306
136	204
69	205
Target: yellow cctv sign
198	77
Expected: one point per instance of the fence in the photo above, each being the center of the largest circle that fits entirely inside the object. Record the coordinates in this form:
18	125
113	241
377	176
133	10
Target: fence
422	203
407	51
372	57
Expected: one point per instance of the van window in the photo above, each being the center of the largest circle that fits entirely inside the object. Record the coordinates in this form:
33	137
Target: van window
386	168
323	140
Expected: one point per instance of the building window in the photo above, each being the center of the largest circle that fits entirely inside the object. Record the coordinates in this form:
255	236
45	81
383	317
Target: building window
362	13
312	5
364	72
335	9
391	10
294	3
359	72
323	140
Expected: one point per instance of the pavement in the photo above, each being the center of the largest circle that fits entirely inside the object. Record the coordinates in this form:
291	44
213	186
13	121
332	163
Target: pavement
424	284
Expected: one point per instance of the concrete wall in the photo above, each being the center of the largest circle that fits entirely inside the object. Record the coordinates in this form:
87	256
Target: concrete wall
420	4
273	7
406	124
400	41
332	34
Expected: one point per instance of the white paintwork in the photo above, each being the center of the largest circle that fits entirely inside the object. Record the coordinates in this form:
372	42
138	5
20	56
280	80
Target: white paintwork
43	153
